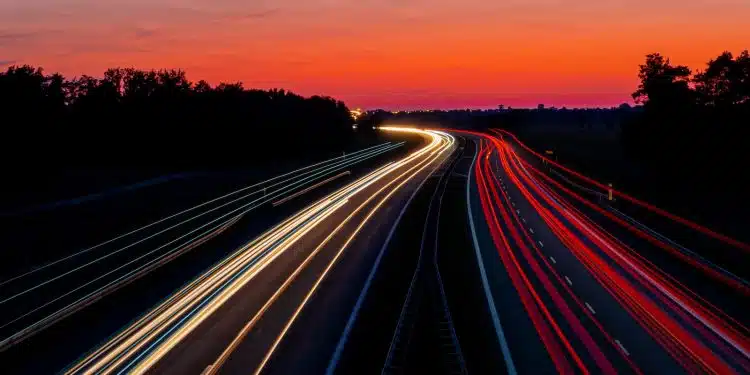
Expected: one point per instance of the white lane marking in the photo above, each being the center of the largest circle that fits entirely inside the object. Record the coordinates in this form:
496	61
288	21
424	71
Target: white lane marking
531	230
590	308
509	365
336	356
622	347
513	203
518	212
568	280
524	220
553	260
540	243
669	294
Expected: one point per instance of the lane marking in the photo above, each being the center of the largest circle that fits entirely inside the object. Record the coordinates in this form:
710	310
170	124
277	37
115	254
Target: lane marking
568	280
336	356
553	260
540	243
622	347
485	283
590	308
531	230
524	220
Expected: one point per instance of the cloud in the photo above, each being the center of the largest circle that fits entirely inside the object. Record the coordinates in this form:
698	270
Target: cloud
225	16
7	62
12	38
8	38
142	33
260	14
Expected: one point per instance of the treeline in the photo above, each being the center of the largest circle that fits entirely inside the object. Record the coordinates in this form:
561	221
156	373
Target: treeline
693	125
135	116
511	118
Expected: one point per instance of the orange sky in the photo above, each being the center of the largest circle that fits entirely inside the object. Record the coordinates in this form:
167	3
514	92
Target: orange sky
394	54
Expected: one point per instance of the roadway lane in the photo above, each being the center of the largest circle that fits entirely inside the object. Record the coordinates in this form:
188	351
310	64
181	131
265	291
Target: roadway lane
398	332
287	270
591	304
697	334
85	327
311	345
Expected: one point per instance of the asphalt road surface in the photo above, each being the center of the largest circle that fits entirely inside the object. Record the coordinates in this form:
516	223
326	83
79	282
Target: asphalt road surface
272	305
470	254
87	296
571	297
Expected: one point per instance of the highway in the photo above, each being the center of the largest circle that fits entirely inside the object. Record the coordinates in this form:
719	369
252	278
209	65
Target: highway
570	297
87	294
261	295
469	254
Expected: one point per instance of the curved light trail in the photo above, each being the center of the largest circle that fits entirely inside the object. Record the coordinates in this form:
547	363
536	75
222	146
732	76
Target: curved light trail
696	334
146	341
159	242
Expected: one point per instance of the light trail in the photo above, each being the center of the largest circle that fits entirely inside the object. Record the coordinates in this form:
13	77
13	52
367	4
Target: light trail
296	181
652	208
449	143
146	341
699	336
256	202
89	249
649	276
301	192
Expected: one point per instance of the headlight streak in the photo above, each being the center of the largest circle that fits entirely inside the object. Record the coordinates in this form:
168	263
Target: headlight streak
449	142
146	341
313	175
81	252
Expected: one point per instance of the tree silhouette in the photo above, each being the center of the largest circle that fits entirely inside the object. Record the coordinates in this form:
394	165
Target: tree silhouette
159	116
725	81
692	125
662	84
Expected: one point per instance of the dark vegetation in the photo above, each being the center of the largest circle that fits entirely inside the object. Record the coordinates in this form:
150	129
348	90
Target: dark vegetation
683	147
693	122
135	117
68	137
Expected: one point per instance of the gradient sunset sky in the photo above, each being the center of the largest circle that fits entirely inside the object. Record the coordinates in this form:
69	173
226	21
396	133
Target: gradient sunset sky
393	54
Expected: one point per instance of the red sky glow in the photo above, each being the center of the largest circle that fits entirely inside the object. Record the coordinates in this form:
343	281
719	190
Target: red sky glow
382	53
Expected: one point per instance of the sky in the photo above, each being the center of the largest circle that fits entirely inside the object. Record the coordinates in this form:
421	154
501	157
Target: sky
391	54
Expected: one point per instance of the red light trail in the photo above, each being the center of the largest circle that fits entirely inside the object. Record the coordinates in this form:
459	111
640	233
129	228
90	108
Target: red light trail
697	334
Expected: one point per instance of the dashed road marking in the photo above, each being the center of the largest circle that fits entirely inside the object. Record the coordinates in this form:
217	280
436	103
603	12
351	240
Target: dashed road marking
568	280
590	308
553	260
524	220
622	347
531	230
540	243
518	212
